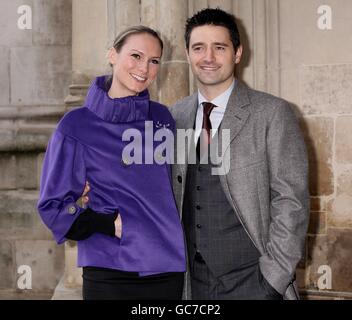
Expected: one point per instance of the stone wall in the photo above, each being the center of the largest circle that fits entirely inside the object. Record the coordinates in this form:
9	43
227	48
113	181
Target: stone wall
315	76
35	72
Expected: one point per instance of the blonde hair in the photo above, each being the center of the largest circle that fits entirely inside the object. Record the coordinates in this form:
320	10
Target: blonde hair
124	35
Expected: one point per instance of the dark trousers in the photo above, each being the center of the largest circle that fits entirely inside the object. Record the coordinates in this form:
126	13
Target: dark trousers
108	284
246	283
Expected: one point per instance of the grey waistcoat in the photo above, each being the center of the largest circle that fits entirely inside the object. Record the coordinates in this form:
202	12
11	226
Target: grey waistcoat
211	224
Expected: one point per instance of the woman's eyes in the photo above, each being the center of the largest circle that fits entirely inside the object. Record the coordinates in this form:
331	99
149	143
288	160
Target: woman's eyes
138	57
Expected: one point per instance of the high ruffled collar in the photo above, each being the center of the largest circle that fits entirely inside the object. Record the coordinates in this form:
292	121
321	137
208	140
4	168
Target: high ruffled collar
126	109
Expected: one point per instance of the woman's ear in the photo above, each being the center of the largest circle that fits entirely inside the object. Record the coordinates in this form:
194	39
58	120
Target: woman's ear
112	56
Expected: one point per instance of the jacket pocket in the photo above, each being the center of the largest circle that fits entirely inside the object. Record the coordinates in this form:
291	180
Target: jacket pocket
246	160
268	289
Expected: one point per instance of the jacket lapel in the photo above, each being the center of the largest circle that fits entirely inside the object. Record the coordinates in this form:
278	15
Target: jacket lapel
187	118
185	122
236	114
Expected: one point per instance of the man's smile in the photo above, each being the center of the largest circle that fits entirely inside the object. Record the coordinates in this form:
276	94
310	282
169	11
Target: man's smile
209	68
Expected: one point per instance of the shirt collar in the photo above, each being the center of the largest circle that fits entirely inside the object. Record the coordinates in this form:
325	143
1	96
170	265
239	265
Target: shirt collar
221	100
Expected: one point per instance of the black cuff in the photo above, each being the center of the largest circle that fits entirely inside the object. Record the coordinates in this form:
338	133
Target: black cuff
90	222
104	223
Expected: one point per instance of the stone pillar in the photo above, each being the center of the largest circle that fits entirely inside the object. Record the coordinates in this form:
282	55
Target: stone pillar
169	17
90	37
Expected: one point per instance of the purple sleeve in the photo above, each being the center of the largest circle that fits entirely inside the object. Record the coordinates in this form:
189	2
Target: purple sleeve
62	184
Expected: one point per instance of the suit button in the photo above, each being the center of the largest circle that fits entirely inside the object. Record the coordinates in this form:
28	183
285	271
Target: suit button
198	207
198	188
199	226
179	179
72	209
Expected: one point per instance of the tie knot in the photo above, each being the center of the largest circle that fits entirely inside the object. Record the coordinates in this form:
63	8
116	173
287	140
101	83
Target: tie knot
208	107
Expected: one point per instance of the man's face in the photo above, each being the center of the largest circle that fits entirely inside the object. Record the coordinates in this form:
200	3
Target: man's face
212	56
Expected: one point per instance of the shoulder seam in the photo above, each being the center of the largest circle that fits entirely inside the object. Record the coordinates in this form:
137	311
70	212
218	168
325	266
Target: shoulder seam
73	138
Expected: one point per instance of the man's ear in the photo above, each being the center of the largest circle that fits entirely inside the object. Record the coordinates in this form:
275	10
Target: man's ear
238	54
112	56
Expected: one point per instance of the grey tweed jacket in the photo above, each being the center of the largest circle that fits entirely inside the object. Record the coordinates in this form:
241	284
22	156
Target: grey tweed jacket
265	179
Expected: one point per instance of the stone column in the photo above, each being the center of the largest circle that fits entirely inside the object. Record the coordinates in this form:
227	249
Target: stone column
169	17
90	41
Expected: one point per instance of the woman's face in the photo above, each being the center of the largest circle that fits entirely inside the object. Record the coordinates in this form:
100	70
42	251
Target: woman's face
136	65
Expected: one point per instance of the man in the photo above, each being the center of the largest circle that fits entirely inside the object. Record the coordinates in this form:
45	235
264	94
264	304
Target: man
246	228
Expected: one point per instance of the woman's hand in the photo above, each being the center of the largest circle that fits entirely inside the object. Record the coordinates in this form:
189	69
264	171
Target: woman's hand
84	196
118	226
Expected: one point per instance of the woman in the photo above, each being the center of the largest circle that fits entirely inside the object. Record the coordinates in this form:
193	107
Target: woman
130	238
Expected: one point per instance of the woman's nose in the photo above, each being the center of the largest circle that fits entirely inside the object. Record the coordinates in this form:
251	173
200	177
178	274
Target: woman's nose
144	67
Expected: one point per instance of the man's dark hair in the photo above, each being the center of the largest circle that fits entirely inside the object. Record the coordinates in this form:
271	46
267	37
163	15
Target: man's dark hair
216	17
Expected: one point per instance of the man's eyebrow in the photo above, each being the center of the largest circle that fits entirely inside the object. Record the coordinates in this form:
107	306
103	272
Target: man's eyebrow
221	44
197	44
214	43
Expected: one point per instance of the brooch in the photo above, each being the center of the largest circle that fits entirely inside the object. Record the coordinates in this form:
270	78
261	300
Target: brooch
159	125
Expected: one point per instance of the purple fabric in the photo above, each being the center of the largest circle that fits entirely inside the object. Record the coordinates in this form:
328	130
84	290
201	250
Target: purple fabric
87	146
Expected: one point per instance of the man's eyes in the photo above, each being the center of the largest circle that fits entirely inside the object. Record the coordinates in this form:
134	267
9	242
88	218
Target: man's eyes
197	48
218	48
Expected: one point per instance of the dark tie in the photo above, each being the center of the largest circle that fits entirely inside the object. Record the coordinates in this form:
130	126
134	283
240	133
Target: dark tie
205	137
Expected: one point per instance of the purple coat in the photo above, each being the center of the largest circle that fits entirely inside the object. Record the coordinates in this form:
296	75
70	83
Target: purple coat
87	146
